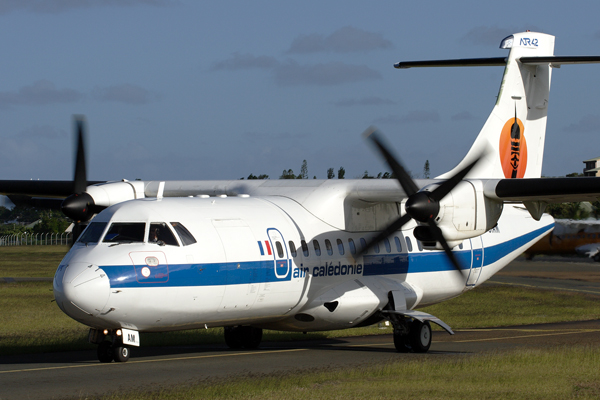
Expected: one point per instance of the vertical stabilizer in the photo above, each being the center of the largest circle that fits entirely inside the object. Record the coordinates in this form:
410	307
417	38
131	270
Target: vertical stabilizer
512	139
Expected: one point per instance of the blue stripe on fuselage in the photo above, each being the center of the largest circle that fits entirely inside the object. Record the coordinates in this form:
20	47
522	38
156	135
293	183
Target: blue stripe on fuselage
427	261
214	274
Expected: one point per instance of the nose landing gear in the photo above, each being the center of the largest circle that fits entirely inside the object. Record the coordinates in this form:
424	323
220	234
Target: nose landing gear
110	346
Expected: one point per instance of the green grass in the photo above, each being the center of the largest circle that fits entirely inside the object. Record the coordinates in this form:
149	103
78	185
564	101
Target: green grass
31	323
557	373
30	261
505	305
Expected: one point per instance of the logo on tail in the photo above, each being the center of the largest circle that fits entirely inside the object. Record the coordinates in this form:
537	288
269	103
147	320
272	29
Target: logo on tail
513	149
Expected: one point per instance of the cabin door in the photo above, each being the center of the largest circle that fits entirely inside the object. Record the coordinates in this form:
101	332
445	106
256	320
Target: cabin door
281	260
476	260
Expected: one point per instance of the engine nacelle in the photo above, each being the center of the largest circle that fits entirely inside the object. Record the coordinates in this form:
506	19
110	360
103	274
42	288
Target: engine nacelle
108	194
464	213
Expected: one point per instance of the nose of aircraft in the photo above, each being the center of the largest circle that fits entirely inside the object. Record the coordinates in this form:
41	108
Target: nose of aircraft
81	290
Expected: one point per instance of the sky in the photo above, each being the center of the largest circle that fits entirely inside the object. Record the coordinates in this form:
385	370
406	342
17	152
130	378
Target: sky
180	89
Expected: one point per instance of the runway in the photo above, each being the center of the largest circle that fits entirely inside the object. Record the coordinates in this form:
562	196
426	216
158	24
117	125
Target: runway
78	374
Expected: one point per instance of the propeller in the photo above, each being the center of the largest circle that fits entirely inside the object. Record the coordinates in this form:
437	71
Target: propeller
421	206
79	206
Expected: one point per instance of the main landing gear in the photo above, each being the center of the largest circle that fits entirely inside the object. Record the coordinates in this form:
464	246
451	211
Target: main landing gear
238	337
110	346
411	335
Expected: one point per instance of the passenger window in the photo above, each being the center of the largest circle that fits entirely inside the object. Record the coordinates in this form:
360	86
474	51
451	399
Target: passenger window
408	244
363	243
304	248
161	234
398	243
340	245
125	232
279	247
376	248
419	245
186	237
93	232
460	246
386	243
328	247
317	248
293	249
352	246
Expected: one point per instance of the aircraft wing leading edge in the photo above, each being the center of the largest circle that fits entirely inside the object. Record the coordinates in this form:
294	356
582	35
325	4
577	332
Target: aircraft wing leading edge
549	190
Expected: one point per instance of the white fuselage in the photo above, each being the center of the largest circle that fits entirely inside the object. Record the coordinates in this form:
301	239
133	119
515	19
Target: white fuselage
266	262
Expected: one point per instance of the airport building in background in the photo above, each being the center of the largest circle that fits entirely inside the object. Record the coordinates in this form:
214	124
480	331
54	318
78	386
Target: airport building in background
592	167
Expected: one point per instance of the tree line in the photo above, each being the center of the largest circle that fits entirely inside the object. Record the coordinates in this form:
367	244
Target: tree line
341	173
54	220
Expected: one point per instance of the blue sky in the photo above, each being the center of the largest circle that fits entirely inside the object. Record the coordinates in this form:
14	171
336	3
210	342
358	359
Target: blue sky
219	90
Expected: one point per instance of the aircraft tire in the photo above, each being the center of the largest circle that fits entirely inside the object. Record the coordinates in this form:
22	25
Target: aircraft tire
121	353
233	337
105	352
420	336
401	343
251	337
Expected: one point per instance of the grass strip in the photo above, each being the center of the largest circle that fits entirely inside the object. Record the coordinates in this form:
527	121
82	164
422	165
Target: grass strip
31	323
550	373
30	261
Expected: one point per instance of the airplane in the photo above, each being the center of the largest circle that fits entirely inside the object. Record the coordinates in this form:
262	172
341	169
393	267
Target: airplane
569	237
313	255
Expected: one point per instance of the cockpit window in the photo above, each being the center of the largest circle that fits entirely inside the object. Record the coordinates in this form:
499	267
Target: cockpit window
92	233
161	234
125	232
186	237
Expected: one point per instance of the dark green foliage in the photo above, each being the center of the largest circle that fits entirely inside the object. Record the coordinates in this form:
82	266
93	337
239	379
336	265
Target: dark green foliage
261	176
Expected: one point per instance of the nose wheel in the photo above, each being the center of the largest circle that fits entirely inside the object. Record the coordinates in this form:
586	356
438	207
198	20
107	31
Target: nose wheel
108	352
110	346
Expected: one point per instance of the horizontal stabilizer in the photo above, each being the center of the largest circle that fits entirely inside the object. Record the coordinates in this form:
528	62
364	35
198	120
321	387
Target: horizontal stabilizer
466	62
560	60
555	61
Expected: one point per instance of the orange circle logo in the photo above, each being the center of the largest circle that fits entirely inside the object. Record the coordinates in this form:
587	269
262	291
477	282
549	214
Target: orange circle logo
513	149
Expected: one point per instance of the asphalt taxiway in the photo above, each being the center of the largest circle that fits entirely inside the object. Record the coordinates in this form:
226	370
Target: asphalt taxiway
78	374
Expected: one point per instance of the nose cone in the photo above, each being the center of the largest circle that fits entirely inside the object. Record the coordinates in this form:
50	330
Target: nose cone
81	290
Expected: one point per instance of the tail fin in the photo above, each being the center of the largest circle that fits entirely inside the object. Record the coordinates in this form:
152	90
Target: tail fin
512	139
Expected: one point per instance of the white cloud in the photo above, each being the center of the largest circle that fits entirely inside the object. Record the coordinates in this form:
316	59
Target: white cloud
42	92
364	101
326	74
587	123
124	93
345	40
416	116
245	61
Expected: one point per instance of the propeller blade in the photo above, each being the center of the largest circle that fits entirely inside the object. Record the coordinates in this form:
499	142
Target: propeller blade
79	206
441	191
422	206
402	176
80	176
438	236
388	231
